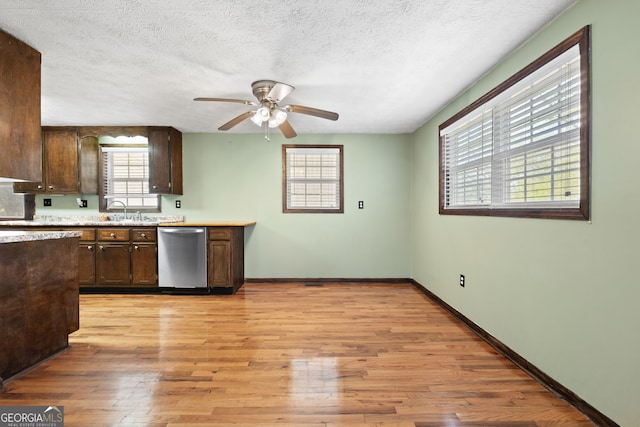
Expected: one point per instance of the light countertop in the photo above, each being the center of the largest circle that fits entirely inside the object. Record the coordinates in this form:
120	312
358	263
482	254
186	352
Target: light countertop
208	224
90	221
27	236
157	221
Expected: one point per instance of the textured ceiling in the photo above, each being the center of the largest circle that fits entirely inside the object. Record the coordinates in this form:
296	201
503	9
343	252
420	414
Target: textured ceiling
385	66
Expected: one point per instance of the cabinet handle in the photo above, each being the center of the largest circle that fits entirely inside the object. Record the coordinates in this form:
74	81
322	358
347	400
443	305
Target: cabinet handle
101	247
135	247
112	234
143	235
39	187
155	187
90	248
51	187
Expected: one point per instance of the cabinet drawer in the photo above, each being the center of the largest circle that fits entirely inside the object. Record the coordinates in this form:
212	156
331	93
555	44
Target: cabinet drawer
113	234
219	233
143	235
88	234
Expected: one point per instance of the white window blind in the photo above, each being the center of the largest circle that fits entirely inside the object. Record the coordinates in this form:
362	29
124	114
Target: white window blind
126	178
522	148
313	178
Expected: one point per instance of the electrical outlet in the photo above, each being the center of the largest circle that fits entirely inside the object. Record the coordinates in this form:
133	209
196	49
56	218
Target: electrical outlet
462	280
46	202
84	203
361	204
178	204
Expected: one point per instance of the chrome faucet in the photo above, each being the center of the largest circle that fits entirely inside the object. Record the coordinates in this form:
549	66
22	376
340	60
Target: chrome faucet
123	206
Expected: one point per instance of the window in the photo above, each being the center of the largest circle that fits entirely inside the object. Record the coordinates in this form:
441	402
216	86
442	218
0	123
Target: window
523	149
312	179
125	179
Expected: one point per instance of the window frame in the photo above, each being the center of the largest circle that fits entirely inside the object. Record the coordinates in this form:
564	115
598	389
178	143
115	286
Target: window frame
104	199
581	39
285	179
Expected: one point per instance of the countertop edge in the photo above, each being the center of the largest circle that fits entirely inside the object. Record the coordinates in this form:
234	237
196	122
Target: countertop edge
71	224
30	236
208	224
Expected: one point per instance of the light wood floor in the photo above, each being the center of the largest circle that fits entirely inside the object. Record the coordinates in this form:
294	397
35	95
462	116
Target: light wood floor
336	355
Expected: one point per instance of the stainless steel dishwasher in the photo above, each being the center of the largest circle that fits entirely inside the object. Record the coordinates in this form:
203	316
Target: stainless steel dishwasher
182	257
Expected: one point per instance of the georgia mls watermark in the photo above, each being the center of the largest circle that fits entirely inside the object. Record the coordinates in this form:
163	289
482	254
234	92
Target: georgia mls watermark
31	416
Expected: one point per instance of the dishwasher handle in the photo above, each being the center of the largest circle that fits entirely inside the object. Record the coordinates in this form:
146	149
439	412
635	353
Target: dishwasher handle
182	230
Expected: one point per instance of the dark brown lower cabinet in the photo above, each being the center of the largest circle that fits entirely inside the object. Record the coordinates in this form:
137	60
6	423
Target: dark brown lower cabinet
144	264
87	264
144	257
225	263
38	301
118	257
87	257
219	263
113	264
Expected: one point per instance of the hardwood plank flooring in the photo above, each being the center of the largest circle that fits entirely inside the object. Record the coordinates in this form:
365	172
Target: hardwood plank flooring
284	355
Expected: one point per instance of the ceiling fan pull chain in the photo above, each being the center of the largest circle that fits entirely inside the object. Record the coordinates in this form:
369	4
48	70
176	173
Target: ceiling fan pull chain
267	133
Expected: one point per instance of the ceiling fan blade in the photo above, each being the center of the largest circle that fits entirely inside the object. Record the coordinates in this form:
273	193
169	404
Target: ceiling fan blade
330	115
287	130
279	91
231	123
239	101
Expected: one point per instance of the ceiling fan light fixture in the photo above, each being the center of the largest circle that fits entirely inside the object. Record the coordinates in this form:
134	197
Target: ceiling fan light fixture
277	118
261	115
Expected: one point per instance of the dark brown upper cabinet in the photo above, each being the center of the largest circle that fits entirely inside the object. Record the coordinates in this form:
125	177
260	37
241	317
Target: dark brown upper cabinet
165	160
70	157
60	164
19	110
69	164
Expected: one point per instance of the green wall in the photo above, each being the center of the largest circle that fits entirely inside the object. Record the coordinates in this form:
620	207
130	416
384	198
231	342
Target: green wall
239	177
234	176
563	294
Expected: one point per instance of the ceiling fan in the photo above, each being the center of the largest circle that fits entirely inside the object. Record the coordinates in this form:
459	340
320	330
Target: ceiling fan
269	114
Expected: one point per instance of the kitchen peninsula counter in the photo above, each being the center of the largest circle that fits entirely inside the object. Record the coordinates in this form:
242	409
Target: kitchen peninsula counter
14	236
39	302
123	255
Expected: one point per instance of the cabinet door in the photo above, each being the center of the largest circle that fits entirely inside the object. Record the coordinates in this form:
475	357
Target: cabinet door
33	187
19	110
112	264
87	264
61	160
144	265
165	160
88	164
219	263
